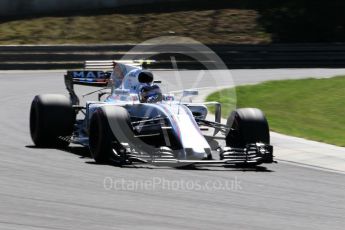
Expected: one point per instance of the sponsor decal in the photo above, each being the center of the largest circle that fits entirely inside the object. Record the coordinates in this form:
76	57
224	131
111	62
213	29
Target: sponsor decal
89	74
98	77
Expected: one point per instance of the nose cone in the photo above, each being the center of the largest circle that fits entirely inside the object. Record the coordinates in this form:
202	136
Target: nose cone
193	143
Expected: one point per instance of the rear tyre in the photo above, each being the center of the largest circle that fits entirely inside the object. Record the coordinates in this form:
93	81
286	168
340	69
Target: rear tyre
51	117
248	126
109	126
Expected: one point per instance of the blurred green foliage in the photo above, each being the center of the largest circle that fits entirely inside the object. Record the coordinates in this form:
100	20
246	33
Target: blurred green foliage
308	108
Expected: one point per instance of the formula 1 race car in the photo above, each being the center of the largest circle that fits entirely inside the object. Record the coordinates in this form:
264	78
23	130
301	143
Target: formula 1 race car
133	121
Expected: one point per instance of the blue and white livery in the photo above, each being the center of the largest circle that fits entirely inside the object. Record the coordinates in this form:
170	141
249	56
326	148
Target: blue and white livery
134	121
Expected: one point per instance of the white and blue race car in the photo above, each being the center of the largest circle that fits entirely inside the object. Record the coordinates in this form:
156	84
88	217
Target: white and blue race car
133	121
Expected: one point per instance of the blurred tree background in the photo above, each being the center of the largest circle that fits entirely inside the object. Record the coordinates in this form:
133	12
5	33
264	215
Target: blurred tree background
303	20
211	22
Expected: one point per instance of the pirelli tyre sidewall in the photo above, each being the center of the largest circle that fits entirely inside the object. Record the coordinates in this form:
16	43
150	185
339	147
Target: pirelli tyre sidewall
51	117
248	126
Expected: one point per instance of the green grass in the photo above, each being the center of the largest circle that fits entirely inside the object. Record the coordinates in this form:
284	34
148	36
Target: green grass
310	108
207	26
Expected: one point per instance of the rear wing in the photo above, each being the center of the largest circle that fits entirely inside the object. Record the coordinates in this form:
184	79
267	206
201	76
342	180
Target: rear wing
99	73
88	77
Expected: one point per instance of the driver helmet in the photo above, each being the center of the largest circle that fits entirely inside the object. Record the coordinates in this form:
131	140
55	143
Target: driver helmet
150	94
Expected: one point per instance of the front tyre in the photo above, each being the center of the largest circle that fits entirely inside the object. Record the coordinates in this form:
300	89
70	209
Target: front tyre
109	127
248	126
51	117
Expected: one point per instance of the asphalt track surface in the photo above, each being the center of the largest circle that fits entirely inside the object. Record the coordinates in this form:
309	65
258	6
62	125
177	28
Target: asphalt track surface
55	189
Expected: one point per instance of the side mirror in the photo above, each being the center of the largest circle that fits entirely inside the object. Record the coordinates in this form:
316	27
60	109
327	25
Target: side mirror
122	92
190	92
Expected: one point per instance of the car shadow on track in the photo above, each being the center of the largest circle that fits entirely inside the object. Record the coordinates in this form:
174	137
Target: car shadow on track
80	151
190	168
227	168
84	153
